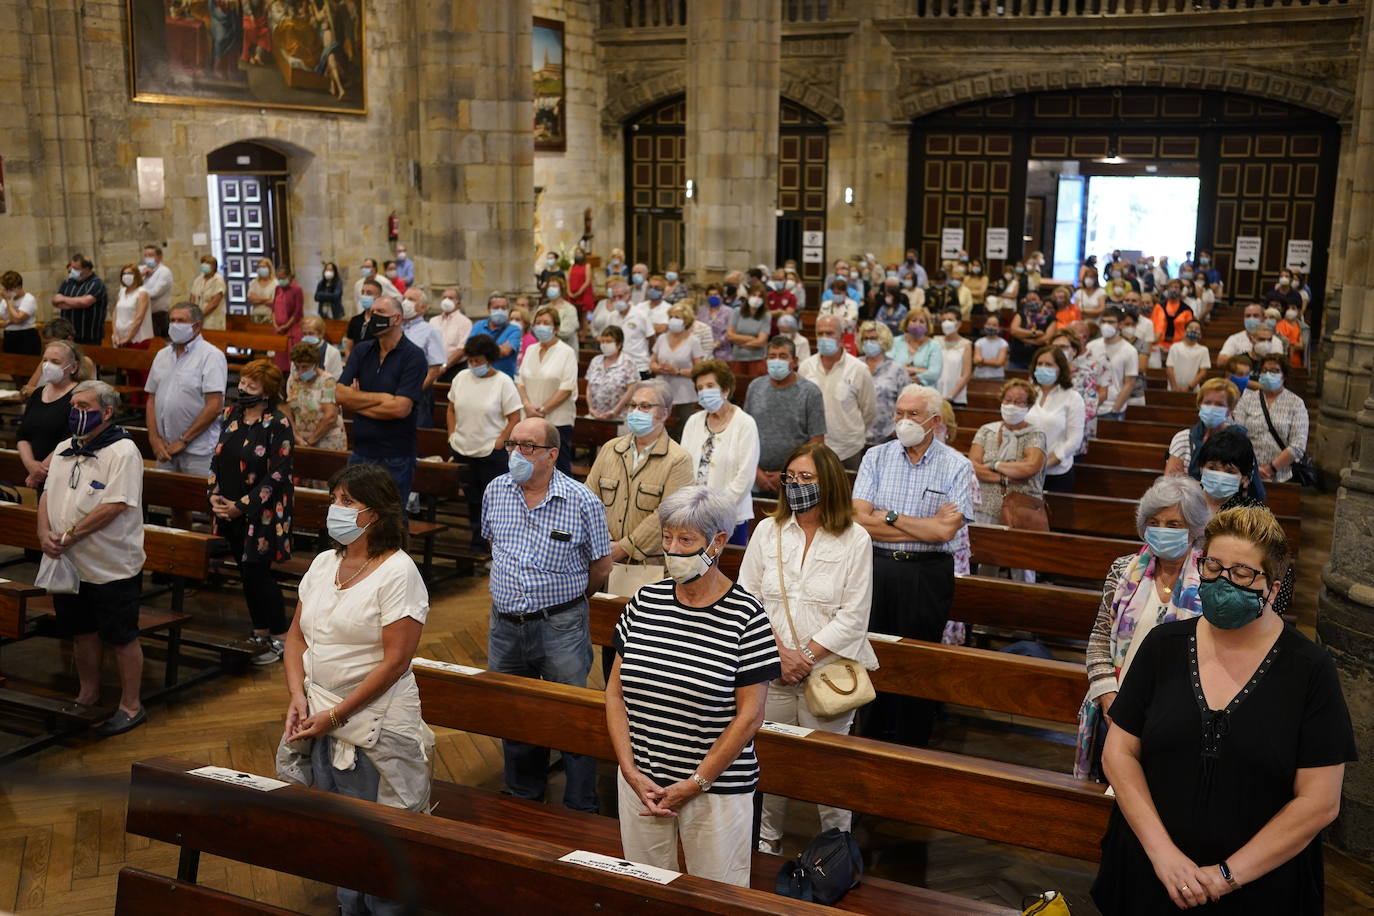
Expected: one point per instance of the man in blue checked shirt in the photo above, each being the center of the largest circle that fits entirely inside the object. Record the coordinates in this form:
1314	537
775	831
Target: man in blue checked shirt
550	549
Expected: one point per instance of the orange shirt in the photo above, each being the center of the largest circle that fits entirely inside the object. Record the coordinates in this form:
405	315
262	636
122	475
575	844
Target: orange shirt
1161	320
1067	314
1293	334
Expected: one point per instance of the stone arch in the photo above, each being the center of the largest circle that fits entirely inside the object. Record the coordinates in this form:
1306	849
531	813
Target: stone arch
628	93
1324	99
811	96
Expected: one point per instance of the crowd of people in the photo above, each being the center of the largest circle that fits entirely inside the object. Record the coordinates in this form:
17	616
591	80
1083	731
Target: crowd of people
717	398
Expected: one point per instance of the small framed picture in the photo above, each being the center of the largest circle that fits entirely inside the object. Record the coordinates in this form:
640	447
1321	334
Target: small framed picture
255	244
252	217
229	191
252	191
233	241
235	266
233	217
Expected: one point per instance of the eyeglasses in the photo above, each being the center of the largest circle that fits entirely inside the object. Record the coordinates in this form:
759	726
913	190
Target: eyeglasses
526	448
1239	574
644	405
803	477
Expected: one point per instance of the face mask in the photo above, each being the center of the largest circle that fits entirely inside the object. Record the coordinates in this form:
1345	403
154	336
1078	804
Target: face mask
687	567
307	375
872	348
518	324
1271	323
1284	281
553	292
1068	353
990	331
731	289
51	373
311	339
1116	275
1219	484
249	400
150	263
367	271
954	284
713	300
779	369
827	346
1128	331
379	325
802	497
1185	275
1167	543
1271	381
949	327
366	301
655	293
543	332
671	276
790	285
329	275
482	370
1204	261
1193	334
975	270
1089	282
1240	381
1046	375
447	305
675	325
775	285
615	262
1108	331
521	468
205	269
637	279
1008	276
916	329
1033	306
73	274
283	281
755	302
126	279
1212	415
498	317
181	334
711	398
1291	315
910	433
263	273
622	305
908	283
608	348
81	422
1226	605
342	524
639	422
1020	269
552	262
400	255
391	274
1014	414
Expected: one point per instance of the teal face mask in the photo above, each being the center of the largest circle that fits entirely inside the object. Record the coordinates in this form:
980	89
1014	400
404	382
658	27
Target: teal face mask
1226	605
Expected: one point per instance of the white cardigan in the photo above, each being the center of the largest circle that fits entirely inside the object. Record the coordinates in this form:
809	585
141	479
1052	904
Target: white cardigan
734	459
831	595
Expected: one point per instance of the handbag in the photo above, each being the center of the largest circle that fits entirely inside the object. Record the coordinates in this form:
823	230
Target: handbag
1050	903
828	868
58	575
1304	471
839	685
1020	510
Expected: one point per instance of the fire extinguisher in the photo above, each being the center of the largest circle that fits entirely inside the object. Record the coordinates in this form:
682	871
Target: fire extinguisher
393	227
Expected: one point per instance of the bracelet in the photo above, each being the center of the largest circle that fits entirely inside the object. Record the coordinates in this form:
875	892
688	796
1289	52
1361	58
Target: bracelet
65	535
810	656
333	719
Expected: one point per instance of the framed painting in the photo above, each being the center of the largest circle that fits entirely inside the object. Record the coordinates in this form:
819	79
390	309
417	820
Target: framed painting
297	54
550	95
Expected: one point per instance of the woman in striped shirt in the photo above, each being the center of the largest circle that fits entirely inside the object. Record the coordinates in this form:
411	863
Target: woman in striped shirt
694	655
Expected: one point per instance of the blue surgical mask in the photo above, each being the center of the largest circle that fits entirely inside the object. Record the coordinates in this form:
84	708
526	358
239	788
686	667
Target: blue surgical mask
342	524
521	468
639	421
366	301
1220	485
308	375
1228	606
671	276
711	398
713	300
481	371
73	274
543	332
872	348
1168	543
1253	324
498	316
311	339
779	369
1046	375
1240	381
1271	381
366	271
655	293
827	346
1212	415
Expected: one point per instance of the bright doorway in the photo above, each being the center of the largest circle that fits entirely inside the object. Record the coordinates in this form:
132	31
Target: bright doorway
1153	215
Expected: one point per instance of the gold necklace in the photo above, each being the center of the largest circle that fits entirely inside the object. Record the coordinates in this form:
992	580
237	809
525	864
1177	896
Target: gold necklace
344	584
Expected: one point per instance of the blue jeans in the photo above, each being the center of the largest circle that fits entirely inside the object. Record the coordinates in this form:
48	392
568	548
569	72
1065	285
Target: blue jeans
402	471
556	649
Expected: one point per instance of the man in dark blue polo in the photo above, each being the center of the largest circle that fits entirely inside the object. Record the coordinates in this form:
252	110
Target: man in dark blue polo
380	385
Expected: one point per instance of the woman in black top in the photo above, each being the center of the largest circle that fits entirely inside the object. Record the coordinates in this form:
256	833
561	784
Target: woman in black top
329	292
44	423
1228	746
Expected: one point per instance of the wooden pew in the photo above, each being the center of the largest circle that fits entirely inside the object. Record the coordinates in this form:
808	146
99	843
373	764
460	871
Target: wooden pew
1285	499
961	794
142	893
1130	429
1033	687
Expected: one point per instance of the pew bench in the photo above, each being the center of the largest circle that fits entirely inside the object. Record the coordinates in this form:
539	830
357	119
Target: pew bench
142	893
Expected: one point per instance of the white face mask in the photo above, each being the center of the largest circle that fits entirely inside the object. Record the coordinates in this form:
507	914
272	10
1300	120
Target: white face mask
447	305
52	373
1291	314
126	279
755	301
329	275
688	567
1014	414
1108	331
949	327
675	325
910	433
608	348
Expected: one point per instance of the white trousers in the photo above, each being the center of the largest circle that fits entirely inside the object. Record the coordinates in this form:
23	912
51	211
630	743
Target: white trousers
787	704
714	829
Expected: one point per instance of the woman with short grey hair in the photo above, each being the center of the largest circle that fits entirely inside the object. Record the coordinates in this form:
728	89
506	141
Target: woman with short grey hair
685	745
1157	584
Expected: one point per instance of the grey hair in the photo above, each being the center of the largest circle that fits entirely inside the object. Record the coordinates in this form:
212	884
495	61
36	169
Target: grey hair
197	316
105	393
551	436
1175	490
420	295
660	390
700	508
392	299
935	401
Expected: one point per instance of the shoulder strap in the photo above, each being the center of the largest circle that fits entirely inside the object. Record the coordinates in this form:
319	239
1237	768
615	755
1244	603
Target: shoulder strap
782	584
1264	406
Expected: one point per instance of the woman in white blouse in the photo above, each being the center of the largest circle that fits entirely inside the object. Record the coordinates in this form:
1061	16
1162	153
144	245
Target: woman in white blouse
1060	414
675	354
483	408
353	724
827	576
547	381
723	441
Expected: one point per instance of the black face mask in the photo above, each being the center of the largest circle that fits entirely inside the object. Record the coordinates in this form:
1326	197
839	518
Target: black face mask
377	325
247	400
730	290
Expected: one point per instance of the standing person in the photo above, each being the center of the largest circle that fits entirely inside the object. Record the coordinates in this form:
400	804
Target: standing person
610	376
262	292
82	299
1122	362
250	495
675	290
405	265
44	423
581	290
208	290
547	381
990	351
414	307
916	351
185	399
912	496
392	273
788	328
362	609
748	332
788	411
133	321
1031	328
1188	361
957	359
550	272
367	271
550	549
157	280
1216	399
1228	746
357	325
846	389
723	443
675	355
1171	316
875	340
329	292
1276	419
453	327
715	315
812	568
497	325
380	385
310	401
698	621
288	308
327	356
1009	454
483	408
1059	413
19	311
100	529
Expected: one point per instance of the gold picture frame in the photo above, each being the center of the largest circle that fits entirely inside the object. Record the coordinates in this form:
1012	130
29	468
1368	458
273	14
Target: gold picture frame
550	86
299	55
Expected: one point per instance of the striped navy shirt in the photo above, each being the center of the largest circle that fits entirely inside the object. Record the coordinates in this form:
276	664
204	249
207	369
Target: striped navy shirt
90	321
679	667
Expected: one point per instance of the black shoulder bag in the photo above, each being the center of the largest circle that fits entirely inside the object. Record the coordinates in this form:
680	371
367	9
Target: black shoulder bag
828	868
1304	471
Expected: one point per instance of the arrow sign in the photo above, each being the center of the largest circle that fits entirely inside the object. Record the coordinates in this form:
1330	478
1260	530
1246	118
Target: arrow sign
1299	255
1247	252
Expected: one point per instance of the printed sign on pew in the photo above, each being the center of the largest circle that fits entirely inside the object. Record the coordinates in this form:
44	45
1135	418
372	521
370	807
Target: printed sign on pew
620	867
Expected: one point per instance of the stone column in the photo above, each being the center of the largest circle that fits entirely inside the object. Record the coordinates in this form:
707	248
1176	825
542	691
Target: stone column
1345	618
475	146
734	49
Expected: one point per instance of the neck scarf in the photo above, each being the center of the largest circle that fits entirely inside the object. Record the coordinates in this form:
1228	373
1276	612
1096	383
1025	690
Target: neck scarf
93	444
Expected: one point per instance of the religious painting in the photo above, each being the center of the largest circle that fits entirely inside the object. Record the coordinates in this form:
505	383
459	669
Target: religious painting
550	92
298	54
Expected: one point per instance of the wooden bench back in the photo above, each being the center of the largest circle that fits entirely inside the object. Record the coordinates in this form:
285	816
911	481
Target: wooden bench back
169	550
142	893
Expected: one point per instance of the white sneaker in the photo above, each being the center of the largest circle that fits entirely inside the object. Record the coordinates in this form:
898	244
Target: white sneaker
772	847
269	650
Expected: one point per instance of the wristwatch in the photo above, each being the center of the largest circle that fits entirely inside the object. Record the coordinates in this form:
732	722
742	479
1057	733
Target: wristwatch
891	518
702	782
1227	877
810	656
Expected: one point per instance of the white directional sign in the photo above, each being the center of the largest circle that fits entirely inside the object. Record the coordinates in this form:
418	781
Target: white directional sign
1299	256
1247	252
813	239
951	243
997	244
811	256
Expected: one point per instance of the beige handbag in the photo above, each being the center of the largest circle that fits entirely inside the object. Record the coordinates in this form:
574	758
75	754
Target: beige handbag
838	685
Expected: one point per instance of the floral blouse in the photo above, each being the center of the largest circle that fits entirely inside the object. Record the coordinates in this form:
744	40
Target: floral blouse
252	467
719	322
889	378
306	402
606	385
1087	373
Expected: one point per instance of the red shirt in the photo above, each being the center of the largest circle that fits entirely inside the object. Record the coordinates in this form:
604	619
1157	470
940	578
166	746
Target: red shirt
781	300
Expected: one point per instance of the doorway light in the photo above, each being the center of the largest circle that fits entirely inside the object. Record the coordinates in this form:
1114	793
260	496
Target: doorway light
691	190
849	196
1112	158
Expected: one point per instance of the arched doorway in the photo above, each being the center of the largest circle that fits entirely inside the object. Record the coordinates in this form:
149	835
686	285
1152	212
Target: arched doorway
249	219
803	158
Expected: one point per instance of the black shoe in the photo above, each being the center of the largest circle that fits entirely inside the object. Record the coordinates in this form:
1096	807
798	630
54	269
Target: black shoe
121	722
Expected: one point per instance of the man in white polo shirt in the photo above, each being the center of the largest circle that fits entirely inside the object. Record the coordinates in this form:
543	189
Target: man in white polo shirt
186	396
846	388
1120	358
91	513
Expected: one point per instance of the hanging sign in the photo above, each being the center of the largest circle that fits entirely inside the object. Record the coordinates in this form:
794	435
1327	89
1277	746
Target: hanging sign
1299	256
1247	252
951	243
997	244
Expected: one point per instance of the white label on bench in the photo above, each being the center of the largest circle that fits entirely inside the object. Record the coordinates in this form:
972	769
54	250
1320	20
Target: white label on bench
620	867
884	637
446	666
252	781
796	731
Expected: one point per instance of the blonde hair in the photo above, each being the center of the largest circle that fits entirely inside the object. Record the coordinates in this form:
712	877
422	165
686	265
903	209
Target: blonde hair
1219	384
550	312
684	311
1255	525
1021	383
883	331
951	423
